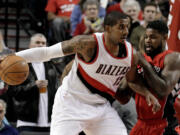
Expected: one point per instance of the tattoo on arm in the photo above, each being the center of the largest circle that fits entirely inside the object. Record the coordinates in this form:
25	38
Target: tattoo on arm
77	44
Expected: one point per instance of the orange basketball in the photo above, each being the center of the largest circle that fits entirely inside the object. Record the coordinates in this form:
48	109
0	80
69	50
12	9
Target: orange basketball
14	70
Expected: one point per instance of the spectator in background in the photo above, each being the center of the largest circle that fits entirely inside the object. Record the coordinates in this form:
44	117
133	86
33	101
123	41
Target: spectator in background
4	128
76	15
149	14
34	98
59	12
133	9
91	22
129	7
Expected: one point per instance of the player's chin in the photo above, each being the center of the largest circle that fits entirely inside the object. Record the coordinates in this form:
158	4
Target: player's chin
148	52
121	40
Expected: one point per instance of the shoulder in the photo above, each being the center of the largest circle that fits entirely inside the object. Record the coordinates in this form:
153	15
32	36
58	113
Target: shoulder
85	39
172	60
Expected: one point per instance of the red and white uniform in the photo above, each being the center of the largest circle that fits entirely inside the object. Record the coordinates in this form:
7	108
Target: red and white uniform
149	123
81	102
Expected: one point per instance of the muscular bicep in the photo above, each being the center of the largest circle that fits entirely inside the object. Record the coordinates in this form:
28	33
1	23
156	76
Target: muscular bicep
78	44
171	70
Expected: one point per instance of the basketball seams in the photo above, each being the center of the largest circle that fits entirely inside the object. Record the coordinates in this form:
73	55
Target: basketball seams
15	78
11	66
14	71
6	77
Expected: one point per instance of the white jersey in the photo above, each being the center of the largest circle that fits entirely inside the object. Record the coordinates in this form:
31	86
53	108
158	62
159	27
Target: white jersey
98	80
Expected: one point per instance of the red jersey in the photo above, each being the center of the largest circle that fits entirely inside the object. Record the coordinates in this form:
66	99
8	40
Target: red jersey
174	26
143	110
61	7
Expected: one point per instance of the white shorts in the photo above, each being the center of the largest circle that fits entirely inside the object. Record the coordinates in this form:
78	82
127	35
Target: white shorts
70	116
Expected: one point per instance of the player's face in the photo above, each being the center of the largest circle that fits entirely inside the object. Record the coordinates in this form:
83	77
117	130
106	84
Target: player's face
153	42
119	32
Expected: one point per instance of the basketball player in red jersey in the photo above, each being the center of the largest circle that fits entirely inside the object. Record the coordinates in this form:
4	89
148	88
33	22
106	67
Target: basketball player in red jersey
82	102
166	64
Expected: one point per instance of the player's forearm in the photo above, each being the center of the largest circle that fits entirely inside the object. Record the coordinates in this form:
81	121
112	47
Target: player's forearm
41	54
140	89
156	83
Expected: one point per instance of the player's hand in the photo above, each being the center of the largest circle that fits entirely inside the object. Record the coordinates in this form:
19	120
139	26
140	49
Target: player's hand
152	100
141	60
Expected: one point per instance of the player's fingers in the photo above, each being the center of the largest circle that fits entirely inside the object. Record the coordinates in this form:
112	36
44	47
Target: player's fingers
148	100
156	107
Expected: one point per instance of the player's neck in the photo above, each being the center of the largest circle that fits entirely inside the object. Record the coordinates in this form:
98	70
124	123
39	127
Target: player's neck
112	47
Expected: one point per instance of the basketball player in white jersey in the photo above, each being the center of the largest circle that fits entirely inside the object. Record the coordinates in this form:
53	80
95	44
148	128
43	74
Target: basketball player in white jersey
102	60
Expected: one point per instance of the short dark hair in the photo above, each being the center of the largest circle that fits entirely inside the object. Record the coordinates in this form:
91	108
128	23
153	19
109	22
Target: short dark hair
90	2
158	25
150	4
113	17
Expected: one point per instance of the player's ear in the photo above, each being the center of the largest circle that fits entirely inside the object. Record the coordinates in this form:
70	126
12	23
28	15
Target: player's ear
107	28
165	37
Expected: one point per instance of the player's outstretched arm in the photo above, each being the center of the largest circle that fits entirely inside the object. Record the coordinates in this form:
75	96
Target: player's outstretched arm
170	74
77	44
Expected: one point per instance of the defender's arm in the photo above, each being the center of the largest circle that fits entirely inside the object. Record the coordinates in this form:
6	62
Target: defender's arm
170	75
137	85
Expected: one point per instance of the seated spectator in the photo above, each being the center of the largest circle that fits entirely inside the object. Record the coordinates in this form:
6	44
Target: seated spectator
76	15
59	12
91	22
133	9
129	7
4	128
149	14
34	98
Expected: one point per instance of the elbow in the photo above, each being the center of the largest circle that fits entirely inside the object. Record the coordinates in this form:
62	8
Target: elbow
162	92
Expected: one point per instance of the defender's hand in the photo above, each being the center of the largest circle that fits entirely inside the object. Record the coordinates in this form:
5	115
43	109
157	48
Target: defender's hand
152	100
